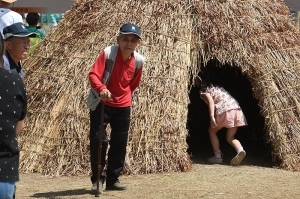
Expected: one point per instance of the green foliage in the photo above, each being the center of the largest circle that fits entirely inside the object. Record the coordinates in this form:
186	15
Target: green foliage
33	44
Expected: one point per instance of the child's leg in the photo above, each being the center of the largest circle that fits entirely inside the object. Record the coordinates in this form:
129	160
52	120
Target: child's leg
230	136
214	138
217	158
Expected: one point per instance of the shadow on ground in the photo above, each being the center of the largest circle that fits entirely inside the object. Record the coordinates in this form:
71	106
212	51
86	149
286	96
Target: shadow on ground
70	193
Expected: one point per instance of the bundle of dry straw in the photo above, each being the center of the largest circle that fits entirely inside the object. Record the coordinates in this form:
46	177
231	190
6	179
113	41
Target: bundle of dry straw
56	142
255	35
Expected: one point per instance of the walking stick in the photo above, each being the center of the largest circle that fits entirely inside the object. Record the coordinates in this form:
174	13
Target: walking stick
100	149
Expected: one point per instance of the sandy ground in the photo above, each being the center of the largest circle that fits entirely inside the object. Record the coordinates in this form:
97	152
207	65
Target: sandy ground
203	181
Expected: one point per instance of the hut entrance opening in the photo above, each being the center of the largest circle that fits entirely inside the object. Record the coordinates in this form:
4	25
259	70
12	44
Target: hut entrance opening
252	137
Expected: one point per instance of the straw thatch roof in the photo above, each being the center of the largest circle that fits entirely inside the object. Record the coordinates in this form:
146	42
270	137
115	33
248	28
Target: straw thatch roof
255	35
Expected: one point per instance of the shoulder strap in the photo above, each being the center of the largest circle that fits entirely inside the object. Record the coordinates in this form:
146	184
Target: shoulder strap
111	55
138	61
3	11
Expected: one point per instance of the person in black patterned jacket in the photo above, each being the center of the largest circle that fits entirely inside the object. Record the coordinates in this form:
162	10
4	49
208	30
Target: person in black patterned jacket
13	109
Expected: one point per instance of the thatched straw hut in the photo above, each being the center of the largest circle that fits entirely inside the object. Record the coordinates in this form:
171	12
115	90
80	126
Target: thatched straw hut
256	36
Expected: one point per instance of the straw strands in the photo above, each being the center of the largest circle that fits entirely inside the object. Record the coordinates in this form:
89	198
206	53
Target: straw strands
255	35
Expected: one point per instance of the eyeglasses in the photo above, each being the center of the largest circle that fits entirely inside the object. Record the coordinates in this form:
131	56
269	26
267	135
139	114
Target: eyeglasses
24	43
132	41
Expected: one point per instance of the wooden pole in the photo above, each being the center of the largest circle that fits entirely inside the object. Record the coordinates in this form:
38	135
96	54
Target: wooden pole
97	194
298	19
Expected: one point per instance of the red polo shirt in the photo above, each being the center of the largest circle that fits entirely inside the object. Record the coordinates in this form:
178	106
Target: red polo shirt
122	81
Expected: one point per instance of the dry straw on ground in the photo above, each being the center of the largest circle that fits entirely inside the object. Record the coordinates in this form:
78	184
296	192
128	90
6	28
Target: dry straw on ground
256	35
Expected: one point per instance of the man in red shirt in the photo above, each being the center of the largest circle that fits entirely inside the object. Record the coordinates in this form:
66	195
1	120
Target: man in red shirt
116	95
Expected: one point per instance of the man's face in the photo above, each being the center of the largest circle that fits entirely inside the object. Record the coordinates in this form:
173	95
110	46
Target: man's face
18	47
128	43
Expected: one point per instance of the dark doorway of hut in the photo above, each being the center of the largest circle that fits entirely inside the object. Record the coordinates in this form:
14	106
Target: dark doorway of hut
252	136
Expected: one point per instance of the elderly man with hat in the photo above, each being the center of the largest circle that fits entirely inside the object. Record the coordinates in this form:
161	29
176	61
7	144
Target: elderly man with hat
7	16
114	76
17	45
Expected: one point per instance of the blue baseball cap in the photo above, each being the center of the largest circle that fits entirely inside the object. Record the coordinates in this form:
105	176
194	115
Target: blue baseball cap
17	30
130	28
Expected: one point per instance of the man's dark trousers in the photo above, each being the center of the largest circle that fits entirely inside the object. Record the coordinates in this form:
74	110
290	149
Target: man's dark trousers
119	120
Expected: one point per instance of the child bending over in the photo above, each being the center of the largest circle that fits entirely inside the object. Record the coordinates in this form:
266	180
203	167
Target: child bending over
224	111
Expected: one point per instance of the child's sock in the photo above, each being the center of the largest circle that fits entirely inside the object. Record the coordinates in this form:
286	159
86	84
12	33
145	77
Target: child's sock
239	149
218	154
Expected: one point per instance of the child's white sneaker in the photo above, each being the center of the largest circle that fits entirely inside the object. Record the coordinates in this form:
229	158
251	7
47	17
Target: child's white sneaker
238	158
215	160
